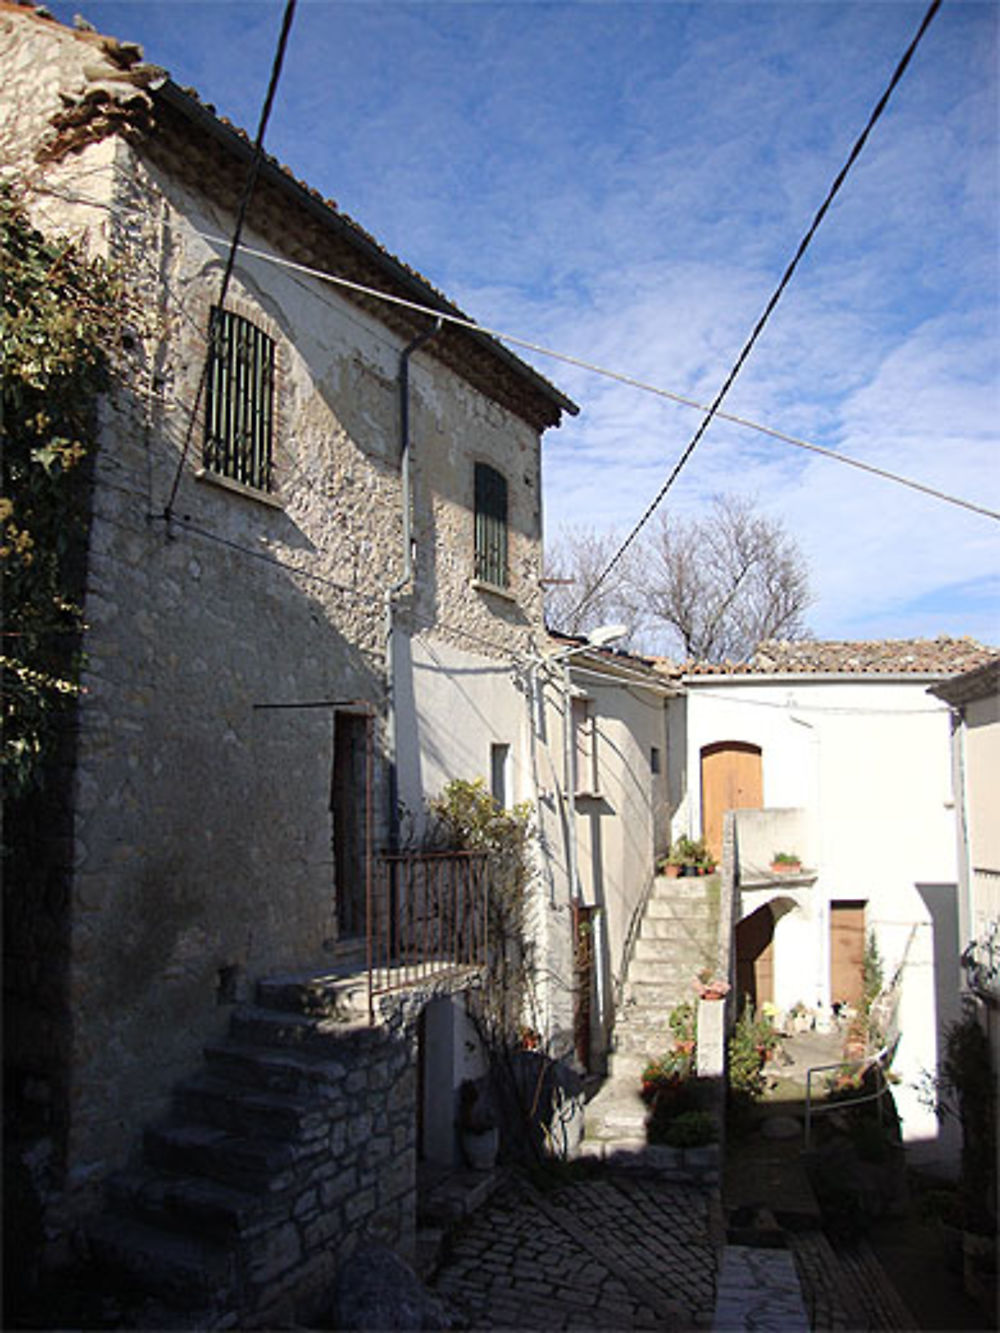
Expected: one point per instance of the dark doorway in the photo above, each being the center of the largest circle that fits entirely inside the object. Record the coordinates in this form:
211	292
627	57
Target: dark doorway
348	802
755	958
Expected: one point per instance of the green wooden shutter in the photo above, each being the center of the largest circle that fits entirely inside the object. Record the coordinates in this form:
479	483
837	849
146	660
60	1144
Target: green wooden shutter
239	400
491	526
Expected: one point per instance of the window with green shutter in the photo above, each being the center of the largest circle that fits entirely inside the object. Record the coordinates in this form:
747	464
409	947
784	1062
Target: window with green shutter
239	400
491	526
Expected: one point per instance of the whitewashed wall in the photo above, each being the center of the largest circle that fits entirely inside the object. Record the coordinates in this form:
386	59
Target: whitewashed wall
868	761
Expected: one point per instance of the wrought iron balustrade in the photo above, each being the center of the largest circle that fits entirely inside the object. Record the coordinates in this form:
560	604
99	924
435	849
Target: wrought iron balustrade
426	918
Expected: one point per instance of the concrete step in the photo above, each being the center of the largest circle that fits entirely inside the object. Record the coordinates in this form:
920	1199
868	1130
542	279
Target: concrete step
190	1204
261	1166
245	1110
341	993
188	1271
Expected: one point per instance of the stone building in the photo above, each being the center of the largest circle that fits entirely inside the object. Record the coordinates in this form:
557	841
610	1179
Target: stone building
312	590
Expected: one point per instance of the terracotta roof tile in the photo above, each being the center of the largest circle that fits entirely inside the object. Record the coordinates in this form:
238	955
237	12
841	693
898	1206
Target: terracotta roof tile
942	656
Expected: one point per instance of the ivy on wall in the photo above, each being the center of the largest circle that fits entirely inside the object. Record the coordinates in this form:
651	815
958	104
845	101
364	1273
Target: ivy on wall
60	318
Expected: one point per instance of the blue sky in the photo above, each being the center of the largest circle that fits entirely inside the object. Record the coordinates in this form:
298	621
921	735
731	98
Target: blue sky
626	183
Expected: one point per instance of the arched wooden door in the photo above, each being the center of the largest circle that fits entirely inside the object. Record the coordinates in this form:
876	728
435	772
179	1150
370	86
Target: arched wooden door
731	779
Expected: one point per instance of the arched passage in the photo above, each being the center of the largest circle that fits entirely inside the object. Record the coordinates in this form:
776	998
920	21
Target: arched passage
755	957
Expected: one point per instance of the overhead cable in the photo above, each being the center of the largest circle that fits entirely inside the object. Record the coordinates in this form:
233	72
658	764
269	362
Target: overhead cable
769	308
629	380
248	188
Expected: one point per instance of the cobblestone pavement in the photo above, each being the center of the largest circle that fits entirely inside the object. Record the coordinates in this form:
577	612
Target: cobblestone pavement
609	1252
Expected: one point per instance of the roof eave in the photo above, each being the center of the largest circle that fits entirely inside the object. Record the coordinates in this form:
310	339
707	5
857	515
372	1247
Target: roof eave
233	142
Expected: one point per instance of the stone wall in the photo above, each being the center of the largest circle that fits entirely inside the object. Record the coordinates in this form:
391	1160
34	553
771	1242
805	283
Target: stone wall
202	844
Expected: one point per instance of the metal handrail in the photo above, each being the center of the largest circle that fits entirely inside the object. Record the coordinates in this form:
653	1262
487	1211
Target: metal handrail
880	1061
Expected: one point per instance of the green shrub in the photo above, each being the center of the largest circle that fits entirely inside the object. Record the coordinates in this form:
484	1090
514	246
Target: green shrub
752	1041
688	1129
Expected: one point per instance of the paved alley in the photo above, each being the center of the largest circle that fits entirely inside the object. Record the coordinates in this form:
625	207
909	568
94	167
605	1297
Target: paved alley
614	1251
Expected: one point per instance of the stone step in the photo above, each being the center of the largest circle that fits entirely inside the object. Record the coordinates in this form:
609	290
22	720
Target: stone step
617	1111
187	1271
265	1166
190	1204
341	993
301	1073
681	909
662	971
627	1066
678	930
242	1109
686	953
257	1024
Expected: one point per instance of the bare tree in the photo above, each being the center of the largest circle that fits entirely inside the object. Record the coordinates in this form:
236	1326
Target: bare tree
722	583
574	562
705	588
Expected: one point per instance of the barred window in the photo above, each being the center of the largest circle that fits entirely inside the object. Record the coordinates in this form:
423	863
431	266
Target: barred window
491	526
239	400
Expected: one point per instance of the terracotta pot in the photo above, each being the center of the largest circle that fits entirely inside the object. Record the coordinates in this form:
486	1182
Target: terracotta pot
671	872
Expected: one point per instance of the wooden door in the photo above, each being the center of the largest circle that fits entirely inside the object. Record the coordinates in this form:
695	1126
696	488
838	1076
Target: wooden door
731	779
755	958
348	803
847	951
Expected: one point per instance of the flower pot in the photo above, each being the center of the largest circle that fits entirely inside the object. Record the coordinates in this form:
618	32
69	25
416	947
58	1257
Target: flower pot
480	1147
786	867
671	871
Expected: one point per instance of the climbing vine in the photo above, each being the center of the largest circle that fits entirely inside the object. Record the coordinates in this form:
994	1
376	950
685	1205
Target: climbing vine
60	319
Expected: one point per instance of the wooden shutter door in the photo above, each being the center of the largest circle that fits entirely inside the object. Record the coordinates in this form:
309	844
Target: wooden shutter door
731	779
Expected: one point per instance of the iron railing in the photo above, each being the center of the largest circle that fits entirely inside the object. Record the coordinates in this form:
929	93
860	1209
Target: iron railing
877	1064
426	918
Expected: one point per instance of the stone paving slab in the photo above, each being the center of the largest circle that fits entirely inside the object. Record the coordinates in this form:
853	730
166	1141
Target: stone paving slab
606	1252
759	1289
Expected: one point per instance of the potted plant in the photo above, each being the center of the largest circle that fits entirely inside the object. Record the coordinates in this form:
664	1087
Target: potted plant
691	855
710	987
477	1126
669	865
786	863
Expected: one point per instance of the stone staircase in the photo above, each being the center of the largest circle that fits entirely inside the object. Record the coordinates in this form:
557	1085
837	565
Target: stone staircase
678	936
270	1155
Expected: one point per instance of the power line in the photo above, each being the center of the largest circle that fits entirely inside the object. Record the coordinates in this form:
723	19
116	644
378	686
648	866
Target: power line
769	308
619	376
251	180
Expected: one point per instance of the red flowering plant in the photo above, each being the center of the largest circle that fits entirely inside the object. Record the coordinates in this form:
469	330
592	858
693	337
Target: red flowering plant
663	1077
709	987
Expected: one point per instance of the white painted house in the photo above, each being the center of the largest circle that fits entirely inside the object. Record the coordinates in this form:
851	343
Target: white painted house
836	753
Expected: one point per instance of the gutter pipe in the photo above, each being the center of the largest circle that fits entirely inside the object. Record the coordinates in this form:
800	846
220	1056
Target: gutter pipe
405	575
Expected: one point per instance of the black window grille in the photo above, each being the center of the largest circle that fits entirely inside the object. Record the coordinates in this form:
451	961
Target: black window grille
491	526
239	400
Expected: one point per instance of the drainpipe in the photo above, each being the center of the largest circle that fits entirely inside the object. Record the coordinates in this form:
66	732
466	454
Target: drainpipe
406	574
